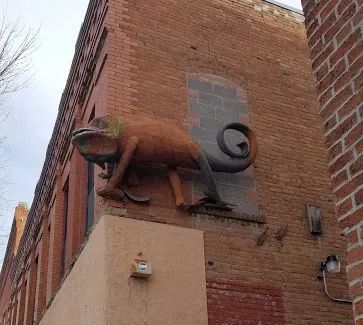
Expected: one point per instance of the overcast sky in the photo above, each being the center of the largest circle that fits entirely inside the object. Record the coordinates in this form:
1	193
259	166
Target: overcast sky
34	109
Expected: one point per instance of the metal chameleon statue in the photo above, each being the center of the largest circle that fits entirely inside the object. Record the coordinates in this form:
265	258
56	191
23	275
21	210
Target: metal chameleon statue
130	141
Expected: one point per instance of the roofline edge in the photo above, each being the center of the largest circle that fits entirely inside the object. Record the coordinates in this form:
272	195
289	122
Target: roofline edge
281	5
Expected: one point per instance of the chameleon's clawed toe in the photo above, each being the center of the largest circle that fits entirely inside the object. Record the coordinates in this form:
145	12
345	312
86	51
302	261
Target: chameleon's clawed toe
210	202
111	193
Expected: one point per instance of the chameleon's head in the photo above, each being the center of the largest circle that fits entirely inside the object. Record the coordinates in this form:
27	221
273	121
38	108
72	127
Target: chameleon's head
99	141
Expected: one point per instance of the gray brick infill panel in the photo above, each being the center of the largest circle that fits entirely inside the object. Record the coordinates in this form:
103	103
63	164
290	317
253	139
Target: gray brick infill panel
213	103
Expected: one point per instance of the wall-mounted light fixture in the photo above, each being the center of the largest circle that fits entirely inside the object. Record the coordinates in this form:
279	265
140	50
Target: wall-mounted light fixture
331	265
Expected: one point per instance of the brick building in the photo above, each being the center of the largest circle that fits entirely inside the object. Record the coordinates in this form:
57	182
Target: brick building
196	65
334	30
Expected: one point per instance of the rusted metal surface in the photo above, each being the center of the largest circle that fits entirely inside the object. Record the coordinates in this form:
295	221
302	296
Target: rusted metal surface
116	144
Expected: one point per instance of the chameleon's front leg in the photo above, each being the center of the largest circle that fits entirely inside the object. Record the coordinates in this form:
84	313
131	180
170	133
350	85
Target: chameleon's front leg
112	189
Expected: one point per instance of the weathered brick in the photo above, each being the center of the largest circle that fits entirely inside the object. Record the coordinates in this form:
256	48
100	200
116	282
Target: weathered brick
329	21
343	33
200	85
323	56
345	17
358	83
336	102
357	271
227	115
359	147
331	123
355	255
330	6
350	105
230	94
355	52
211	124
345	47
352	219
325	97
234	106
322	71
242	300
202	110
357	166
339	178
358	17
341	162
210	100
344	207
350	187
313	26
332	76
343	5
354	135
316	50
358	197
341	130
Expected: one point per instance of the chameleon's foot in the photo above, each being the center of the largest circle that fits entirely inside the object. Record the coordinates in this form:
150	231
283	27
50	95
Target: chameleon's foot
207	202
213	198
180	203
111	193
219	205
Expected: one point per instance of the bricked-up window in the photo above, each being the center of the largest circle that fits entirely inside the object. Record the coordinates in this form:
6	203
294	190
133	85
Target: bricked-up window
25	297
36	270
213	102
20	306
90	196
65	225
15	307
13	311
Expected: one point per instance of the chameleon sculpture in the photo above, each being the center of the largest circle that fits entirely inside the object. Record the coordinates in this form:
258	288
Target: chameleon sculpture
108	140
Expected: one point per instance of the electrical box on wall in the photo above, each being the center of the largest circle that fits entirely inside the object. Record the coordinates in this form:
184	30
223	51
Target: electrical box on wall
140	268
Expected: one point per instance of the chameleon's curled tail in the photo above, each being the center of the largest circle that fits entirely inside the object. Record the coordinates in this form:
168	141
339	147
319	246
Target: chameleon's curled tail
239	161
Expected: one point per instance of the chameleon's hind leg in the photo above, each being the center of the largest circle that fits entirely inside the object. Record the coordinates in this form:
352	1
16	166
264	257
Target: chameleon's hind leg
212	190
176	186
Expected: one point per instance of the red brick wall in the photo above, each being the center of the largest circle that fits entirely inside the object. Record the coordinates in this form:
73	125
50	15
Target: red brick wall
56	233
21	303
154	45
42	272
20	216
133	58
236	302
334	30
31	279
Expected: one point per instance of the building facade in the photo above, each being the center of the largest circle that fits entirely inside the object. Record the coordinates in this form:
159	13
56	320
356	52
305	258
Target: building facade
334	30
196	65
